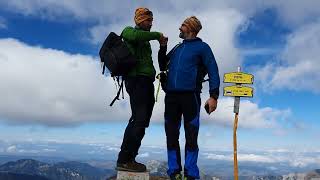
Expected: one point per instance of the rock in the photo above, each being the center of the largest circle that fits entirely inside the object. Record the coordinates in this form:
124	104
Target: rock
125	175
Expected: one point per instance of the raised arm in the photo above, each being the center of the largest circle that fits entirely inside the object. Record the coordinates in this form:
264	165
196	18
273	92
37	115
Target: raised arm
132	34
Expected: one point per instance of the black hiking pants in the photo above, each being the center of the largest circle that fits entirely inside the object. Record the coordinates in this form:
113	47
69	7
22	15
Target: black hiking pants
186	104
141	92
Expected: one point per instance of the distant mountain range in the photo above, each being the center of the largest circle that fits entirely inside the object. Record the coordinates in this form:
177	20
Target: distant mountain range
29	169
14	176
59	171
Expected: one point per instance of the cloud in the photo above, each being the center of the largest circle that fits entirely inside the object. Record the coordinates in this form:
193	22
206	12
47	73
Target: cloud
244	157
28	151
113	149
144	155
51	87
80	10
221	22
12	149
221	39
299	68
294	159
295	12
55	88
49	150
251	115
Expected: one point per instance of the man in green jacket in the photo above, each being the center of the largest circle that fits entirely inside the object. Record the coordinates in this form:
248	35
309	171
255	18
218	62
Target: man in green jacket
139	85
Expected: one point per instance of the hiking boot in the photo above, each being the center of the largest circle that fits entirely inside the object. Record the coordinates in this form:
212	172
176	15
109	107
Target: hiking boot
131	166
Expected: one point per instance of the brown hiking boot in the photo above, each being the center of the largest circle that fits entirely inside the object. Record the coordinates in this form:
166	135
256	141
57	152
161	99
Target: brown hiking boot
131	166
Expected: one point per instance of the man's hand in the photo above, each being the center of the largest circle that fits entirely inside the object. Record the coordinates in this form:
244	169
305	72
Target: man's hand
163	40
212	104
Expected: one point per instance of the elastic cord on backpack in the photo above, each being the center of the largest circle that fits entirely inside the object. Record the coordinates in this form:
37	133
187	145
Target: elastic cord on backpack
158	89
119	91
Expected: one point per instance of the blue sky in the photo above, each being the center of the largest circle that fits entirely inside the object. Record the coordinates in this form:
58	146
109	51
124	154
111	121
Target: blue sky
52	88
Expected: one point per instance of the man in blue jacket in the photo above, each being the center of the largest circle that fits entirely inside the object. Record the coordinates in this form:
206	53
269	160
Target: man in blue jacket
187	64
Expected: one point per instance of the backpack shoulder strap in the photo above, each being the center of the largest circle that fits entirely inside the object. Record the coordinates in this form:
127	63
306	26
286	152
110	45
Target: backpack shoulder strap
173	49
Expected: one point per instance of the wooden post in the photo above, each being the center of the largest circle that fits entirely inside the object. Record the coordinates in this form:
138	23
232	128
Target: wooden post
235	158
235	127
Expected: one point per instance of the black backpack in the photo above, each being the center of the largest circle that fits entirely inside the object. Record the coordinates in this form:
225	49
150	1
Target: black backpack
116	56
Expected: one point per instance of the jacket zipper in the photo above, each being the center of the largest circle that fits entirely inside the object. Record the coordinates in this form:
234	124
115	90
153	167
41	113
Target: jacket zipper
175	82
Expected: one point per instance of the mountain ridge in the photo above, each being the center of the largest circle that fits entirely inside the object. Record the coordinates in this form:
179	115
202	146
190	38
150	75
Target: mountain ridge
60	171
72	170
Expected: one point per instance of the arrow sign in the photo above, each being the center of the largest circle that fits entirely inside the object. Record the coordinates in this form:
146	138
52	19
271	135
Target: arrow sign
238	91
238	77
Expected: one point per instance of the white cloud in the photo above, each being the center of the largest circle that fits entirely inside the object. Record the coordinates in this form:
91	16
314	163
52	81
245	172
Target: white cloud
28	151
49	150
113	149
12	149
221	39
82	10
218	157
250	116
256	158
295	12
221	21
243	157
294	159
144	155
52	87
279	151
299	68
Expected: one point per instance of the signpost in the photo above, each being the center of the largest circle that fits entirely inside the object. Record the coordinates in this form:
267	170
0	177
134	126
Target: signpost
240	91
237	91
238	77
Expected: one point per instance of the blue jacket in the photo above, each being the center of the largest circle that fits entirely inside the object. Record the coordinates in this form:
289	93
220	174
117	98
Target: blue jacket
189	62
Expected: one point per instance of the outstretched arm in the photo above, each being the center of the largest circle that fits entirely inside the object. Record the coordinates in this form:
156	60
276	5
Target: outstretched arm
132	34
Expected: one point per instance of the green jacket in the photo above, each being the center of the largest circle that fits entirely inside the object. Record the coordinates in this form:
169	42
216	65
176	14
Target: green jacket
137	41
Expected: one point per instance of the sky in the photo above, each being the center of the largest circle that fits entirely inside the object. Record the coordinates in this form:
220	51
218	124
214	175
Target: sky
52	89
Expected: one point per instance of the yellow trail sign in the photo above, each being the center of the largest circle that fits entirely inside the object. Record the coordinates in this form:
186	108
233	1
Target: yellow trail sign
238	77
238	91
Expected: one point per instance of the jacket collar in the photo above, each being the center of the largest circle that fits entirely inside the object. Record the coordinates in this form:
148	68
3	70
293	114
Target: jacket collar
192	40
